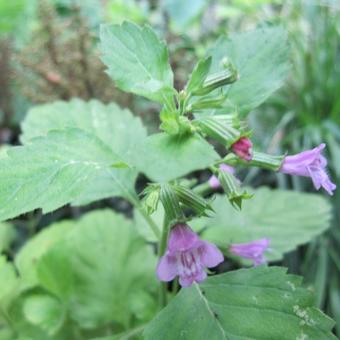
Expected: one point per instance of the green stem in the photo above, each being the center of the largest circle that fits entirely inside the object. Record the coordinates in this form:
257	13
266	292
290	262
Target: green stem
153	226
161	251
150	221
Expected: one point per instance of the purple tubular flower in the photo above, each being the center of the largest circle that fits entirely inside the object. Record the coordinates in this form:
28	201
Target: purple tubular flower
311	164
187	256
252	250
213	180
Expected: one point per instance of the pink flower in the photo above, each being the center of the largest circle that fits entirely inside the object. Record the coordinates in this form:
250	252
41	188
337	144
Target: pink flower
252	250
243	148
213	180
187	256
311	164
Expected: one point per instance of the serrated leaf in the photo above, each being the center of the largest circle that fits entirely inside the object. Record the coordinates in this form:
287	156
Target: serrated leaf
287	218
163	158
137	61
117	128
108	267
258	303
261	59
55	170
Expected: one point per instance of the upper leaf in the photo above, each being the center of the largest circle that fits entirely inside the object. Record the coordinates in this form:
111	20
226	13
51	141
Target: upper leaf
258	303
287	218
137	60
58	169
261	59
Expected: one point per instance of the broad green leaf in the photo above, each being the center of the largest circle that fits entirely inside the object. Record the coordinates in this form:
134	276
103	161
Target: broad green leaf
137	60
258	303
44	311
261	59
102	270
287	218
117	128
55	170
162	157
10	12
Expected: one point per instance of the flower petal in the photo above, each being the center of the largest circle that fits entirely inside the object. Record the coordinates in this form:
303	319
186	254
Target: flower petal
167	268
211	256
182	238
186	281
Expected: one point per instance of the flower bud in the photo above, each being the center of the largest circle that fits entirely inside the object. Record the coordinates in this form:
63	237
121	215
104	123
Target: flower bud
216	80
243	148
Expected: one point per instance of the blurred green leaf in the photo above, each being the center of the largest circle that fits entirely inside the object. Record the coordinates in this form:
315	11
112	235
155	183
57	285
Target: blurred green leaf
287	218
29	255
108	270
137	61
44	311
258	303
10	11
261	59
182	13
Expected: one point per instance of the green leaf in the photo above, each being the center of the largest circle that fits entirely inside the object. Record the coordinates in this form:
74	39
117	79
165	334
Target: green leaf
261	59
287	218
198	75
8	279
44	311
117	128
258	303
29	255
137	61
55	170
163	158
102	270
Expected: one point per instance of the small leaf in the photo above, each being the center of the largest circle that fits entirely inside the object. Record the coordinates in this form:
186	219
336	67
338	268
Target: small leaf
258	303
198	75
137	61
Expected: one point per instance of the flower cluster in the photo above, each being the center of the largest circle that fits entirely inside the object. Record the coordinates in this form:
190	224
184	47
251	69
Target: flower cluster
187	256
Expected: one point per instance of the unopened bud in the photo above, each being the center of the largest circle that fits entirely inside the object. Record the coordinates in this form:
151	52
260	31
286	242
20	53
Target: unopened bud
243	148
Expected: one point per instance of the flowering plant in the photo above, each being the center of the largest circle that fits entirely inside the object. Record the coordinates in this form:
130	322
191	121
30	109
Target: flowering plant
98	276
